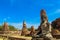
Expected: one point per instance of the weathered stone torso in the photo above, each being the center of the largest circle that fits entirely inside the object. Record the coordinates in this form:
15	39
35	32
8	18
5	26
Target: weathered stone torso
45	27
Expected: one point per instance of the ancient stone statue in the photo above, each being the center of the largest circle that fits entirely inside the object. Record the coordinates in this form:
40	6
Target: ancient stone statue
45	27
24	29
32	31
44	22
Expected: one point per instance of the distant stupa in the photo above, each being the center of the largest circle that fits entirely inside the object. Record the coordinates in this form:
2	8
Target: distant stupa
24	24
24	29
32	31
5	28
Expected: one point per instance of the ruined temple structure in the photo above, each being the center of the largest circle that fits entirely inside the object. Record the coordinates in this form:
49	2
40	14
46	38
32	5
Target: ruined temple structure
32	31
56	28
56	24
5	28
24	29
45	27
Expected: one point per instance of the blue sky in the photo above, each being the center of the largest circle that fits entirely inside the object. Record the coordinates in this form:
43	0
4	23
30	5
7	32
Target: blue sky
15	11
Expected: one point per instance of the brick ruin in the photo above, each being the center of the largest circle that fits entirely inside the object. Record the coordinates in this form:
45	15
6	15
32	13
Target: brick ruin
5	28
32	31
24	29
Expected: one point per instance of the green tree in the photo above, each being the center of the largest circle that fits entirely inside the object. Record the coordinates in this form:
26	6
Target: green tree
0	28
29	29
12	28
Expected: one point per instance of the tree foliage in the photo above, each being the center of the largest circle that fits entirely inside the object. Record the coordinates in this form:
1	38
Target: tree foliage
0	28
29	29
11	28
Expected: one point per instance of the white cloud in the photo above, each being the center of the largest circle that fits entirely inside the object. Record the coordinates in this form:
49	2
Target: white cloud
57	11
5	19
35	25
17	25
20	25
